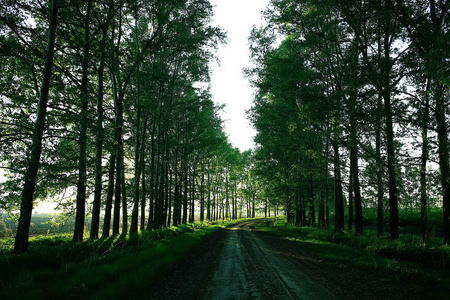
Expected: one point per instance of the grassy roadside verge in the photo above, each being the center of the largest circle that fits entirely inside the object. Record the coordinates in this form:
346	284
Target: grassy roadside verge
407	260
56	268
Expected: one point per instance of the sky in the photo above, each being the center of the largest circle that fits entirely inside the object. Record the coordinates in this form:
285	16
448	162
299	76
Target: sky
228	86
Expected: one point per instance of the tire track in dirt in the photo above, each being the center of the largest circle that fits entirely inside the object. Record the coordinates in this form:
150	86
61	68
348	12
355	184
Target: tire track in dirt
250	268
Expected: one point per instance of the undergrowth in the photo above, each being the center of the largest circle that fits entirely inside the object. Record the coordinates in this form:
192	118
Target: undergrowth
107	268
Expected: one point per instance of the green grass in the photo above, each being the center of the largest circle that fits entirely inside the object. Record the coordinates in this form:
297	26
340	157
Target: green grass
407	217
407	259
56	268
41	224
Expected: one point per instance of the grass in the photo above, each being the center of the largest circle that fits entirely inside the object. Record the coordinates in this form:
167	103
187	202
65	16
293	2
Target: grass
41	224
56	268
406	260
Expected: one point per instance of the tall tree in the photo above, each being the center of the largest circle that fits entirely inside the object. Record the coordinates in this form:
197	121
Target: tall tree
82	176
26	206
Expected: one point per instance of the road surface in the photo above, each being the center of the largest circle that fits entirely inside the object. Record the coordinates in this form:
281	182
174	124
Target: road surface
243	263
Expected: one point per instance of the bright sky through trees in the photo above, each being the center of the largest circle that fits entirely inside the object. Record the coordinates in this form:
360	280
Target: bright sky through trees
228	84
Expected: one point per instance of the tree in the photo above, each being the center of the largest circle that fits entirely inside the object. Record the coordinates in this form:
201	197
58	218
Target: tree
26	206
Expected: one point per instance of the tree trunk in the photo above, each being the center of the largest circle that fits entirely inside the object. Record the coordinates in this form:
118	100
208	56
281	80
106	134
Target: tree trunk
443	159
202	197
124	199
393	191
355	172
82	178
26	205
423	165
339	197
109	196
143	173
380	189
150	223
99	139
327	192
118	192
185	196
137	165
312	207
350	194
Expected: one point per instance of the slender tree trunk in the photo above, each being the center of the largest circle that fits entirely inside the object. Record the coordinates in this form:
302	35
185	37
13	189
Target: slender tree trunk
150	223
202	197
423	165
321	210
380	189
143	173
177	201
312	207
82	178
137	165
124	200
357	191
185	196
355	172
327	191
26	204
170	195
350	194
109	196
118	192
393	191
227	200
99	139
144	193
208	205
339	197
253	205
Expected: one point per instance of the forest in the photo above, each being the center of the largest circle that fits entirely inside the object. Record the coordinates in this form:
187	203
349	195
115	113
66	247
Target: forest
106	113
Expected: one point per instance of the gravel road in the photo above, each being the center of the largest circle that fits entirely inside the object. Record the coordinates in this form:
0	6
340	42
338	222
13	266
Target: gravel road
242	263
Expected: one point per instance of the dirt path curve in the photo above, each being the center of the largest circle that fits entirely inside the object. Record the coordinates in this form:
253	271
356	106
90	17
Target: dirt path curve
243	263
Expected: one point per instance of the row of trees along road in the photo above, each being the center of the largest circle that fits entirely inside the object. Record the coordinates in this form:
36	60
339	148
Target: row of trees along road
352	96
101	111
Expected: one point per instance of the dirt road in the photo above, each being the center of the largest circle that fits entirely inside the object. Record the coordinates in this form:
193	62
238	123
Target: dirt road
250	268
242	263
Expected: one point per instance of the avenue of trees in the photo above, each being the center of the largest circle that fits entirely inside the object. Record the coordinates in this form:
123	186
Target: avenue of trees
352	109
105	110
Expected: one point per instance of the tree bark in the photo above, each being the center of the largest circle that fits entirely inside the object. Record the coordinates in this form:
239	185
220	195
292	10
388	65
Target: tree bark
109	196
423	164
339	197
380	189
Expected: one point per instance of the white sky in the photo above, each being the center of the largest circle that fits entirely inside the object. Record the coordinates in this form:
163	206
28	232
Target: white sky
228	85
